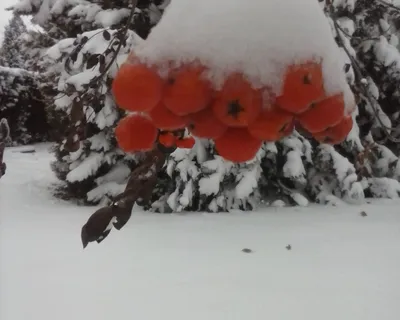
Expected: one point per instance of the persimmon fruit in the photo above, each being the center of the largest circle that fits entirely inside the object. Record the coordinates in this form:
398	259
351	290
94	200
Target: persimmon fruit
303	85
204	124
164	119
270	124
137	87
323	137
339	132
324	114
237	104
287	130
167	139
185	143
136	133
336	134
187	91
237	145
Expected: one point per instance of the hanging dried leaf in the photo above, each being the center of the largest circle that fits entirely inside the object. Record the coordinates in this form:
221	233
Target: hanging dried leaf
102	61
74	56
72	144
92	61
84	40
77	113
106	35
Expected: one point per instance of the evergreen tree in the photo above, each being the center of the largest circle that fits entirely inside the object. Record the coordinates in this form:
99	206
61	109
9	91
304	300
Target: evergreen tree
36	45
95	37
22	104
368	31
22	100
298	169
11	54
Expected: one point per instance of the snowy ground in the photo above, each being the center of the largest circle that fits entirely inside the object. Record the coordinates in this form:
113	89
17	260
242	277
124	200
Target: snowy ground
341	265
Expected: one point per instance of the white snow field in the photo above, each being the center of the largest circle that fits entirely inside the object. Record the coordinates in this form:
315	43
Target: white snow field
341	266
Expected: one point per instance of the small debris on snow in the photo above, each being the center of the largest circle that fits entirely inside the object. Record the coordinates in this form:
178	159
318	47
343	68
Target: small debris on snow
289	247
28	151
363	214
24	149
247	250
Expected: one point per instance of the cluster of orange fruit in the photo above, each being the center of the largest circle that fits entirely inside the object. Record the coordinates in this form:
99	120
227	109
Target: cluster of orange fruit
238	117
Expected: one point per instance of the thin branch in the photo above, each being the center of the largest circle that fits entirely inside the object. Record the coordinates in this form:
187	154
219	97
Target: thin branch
120	35
349	36
360	77
77	49
389	5
124	33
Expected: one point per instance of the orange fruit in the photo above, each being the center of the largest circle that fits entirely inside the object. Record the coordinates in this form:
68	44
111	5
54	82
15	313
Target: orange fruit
164	119
185	143
336	134
237	145
136	133
186	91
204	124
339	132
137	87
323	137
303	85
167	139
270	124
287	130
323	114
237	104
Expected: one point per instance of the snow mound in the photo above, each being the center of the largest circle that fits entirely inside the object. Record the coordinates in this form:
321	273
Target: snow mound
259	38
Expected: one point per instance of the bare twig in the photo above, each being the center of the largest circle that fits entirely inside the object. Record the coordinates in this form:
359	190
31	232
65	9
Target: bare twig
124	33
389	5
349	36
360	77
120	35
